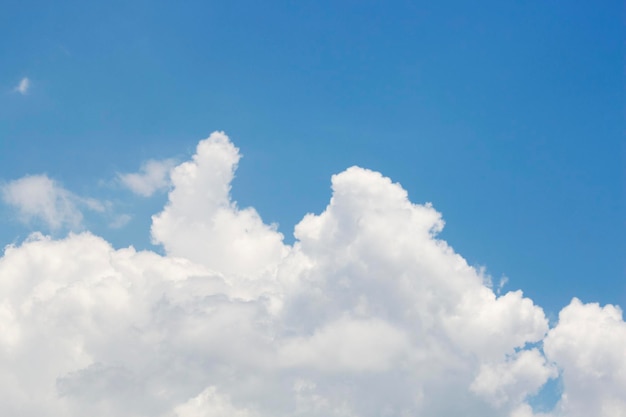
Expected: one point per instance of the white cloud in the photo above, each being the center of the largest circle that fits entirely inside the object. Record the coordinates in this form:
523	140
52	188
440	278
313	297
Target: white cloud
41	201
201	223
368	314
348	345
23	86
210	404
153	176
513	379
589	345
120	221
38	197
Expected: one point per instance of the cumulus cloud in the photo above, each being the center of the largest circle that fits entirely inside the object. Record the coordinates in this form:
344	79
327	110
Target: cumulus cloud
23	86
39	198
521	374
589	345
201	223
367	314
152	177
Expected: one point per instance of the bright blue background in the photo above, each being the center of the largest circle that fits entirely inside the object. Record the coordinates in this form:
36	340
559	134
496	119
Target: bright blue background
508	116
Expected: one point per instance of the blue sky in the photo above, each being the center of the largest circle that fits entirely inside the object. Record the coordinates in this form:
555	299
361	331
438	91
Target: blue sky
507	116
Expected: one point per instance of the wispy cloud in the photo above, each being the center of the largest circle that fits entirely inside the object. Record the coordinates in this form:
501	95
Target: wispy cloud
38	198
120	221
152	177
23	86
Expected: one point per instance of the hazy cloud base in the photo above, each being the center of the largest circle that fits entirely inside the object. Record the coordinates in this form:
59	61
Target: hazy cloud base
367	314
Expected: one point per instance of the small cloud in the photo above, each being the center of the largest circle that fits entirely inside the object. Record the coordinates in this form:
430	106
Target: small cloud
23	86
153	176
39	198
95	205
120	221
503	281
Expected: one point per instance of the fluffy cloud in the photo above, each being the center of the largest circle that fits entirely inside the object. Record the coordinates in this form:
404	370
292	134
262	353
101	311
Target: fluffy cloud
201	223
514	379
589	345
367	314
153	176
39	198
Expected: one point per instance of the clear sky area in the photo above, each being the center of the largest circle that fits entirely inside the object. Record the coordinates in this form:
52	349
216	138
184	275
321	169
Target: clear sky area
423	161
